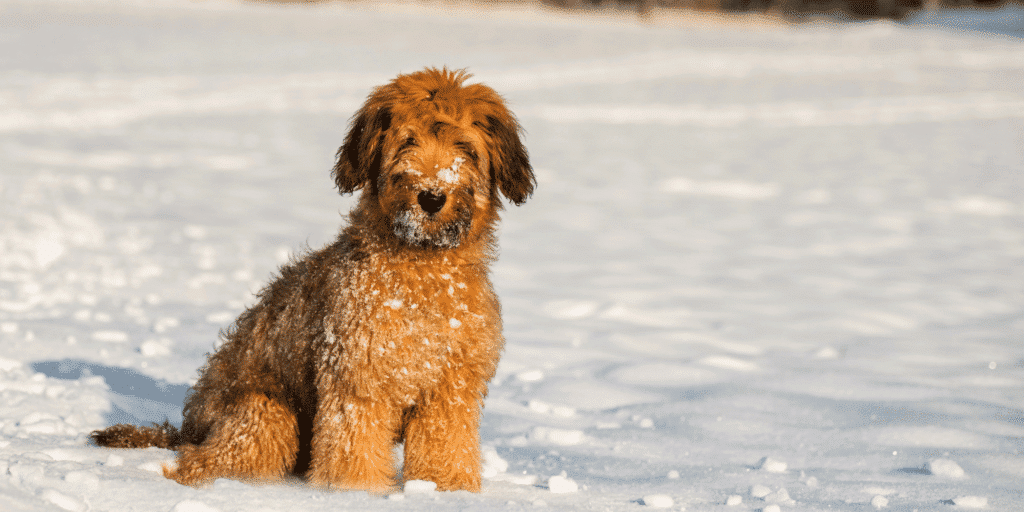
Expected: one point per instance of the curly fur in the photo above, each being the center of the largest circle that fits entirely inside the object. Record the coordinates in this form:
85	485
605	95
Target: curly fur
389	334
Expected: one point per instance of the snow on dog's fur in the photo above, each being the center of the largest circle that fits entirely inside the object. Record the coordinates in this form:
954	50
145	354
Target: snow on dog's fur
391	333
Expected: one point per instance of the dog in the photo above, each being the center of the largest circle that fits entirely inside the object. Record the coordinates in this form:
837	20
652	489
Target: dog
388	335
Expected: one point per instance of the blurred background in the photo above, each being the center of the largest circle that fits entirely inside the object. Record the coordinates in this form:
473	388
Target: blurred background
788	230
788	9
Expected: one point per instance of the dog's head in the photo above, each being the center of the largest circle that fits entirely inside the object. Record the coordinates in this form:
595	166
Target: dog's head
434	154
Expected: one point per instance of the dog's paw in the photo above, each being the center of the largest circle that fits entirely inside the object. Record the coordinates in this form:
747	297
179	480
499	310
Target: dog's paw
378	485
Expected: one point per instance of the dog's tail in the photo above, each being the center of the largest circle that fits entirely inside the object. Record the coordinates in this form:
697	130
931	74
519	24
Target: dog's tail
132	436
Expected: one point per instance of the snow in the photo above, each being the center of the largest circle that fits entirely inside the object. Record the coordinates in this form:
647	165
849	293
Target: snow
971	501
658	501
771	465
944	467
193	506
493	464
450	175
557	436
879	502
62	501
752	246
419	487
561	484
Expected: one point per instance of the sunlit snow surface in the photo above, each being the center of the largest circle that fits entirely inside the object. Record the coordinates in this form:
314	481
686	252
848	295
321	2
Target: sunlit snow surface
766	267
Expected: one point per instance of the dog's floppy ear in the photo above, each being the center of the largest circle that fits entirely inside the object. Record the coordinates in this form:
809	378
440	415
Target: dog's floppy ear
509	161
358	159
510	164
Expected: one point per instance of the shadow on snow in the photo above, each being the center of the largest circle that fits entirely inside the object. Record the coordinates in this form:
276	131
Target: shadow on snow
136	398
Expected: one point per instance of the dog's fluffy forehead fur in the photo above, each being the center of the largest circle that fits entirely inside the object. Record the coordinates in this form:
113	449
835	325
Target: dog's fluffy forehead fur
435	153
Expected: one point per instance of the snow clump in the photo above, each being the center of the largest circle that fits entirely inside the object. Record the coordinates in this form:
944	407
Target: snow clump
193	506
771	465
971	501
780	496
530	376
493	463
420	487
562	484
944	467
559	436
658	501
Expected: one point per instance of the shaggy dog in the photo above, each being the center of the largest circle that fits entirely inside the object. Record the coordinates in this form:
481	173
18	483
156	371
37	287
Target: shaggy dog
388	335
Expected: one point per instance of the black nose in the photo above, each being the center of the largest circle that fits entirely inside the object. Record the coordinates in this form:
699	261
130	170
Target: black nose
431	202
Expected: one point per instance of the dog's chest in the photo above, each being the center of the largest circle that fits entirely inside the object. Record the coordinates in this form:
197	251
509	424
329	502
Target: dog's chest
407	327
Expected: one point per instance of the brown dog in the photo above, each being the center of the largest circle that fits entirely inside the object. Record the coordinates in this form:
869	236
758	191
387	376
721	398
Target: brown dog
388	335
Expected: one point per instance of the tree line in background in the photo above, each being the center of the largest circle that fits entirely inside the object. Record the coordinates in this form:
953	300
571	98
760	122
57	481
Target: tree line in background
791	8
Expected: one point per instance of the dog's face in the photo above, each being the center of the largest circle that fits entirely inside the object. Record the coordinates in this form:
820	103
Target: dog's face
433	155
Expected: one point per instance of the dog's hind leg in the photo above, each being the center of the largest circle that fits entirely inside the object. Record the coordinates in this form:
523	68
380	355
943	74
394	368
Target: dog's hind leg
256	440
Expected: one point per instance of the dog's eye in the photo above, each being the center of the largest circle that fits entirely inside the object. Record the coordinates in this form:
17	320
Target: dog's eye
410	142
467	148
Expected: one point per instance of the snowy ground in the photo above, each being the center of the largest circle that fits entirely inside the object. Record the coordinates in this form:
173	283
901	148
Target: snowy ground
748	241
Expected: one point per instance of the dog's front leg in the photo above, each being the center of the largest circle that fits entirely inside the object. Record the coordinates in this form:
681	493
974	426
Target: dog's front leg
442	440
352	443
